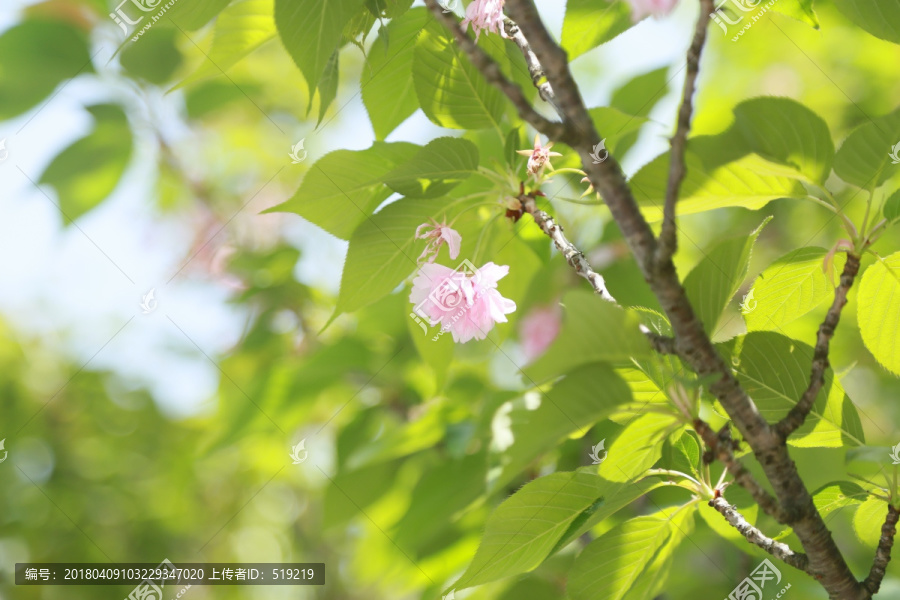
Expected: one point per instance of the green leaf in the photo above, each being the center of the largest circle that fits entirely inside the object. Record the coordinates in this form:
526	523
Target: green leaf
881	19
787	132
638	97
451	91
327	90
615	562
774	371
520	534
35	57
686	454
388	9
589	23
156	58
387	87
638	447
344	187
789	288
240	29
749	182
802	10
311	32
615	125
383	251
865	156
535	424
868	520
194	14
715	280
879	311
445	488
653	580
437	353
437	168
616	496
891	209
86	172
593	330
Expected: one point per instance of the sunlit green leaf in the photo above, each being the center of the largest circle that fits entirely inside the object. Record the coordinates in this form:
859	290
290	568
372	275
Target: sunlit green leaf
789	288
715	280
451	91
387	87
311	31
879	311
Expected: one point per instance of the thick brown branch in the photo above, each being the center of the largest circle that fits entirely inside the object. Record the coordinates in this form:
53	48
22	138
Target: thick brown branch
798	560
491	71
573	255
693	344
883	552
795	418
668	237
661	343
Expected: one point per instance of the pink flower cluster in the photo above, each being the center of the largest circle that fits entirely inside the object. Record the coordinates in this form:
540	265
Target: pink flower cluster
464	301
437	234
484	15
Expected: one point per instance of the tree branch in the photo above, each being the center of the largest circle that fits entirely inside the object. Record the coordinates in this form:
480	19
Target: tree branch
692	342
668	237
883	552
722	447
573	255
491	71
798	560
538	77
797	415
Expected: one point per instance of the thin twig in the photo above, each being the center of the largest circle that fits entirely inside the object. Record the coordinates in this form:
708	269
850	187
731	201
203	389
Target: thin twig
538	77
883	553
573	255
668	237
797	415
722	447
798	560
491	71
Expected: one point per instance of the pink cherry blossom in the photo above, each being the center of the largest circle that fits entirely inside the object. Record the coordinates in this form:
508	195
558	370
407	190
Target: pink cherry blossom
465	304
538	330
484	15
438	234
539	156
657	8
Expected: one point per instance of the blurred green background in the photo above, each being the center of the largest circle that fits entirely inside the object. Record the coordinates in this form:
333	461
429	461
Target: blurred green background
136	437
